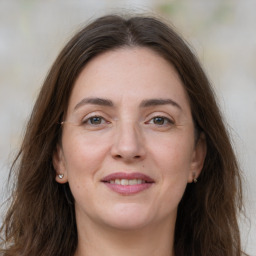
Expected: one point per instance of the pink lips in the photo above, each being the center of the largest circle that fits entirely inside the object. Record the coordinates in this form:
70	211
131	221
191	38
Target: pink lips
143	182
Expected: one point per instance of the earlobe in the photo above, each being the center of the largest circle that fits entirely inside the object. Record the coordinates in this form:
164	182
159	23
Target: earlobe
198	158
59	165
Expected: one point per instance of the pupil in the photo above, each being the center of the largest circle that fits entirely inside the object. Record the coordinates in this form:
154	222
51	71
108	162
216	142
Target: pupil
96	120
159	120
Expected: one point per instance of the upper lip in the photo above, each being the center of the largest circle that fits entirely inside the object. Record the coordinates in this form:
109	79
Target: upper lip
128	176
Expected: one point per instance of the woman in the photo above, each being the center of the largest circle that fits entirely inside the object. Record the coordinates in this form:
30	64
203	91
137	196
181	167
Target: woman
125	152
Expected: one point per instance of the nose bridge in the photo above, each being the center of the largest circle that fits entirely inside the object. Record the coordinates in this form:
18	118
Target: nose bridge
128	141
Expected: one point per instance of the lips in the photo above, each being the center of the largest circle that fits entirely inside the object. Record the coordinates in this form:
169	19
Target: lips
128	183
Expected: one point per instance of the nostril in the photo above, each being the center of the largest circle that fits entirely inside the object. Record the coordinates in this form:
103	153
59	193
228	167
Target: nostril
120	156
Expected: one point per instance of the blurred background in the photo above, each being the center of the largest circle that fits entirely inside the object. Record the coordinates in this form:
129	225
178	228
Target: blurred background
221	32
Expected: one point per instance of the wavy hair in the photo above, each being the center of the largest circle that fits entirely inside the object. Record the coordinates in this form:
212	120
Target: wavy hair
41	217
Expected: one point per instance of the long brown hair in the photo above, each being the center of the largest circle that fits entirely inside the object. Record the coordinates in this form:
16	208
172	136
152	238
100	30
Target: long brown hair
41	218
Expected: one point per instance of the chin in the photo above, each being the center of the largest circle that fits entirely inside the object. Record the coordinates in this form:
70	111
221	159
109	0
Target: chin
128	217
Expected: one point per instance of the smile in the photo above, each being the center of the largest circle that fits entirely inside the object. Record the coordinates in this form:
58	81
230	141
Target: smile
128	183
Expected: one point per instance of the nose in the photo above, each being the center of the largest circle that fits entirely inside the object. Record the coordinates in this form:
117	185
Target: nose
128	143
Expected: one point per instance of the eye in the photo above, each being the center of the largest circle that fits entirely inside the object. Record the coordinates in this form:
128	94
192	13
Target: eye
94	121
160	121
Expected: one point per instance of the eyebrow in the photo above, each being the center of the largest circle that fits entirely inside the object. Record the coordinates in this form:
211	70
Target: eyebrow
94	101
157	102
144	104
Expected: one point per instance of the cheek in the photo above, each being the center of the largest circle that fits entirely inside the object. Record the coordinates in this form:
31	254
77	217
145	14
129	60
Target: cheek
173	158
83	160
173	153
174	174
83	156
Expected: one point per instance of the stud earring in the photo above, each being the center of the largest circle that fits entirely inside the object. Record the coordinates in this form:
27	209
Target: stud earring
61	176
194	178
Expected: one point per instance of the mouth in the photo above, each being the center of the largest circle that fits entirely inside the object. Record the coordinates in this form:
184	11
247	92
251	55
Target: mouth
128	183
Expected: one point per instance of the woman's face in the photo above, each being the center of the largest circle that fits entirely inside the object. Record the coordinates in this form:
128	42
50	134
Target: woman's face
128	148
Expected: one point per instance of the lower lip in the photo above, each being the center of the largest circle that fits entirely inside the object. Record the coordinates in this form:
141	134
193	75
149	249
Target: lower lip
128	189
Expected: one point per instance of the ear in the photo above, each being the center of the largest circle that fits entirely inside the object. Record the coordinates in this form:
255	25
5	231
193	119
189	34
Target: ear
198	158
58	161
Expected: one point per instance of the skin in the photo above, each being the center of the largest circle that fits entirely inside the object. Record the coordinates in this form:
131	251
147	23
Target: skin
128	138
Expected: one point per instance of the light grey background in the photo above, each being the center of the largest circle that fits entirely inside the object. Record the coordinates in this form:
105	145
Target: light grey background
222	32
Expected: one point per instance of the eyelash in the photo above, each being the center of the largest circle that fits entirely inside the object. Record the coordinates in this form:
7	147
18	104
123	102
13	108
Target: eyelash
164	121
88	121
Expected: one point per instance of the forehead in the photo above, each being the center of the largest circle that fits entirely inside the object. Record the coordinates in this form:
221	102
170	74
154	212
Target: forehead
128	74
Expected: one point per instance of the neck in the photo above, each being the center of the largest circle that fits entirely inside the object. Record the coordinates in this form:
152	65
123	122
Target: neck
97	240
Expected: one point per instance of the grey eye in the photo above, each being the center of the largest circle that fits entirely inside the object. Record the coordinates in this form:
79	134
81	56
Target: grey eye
95	120
159	120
